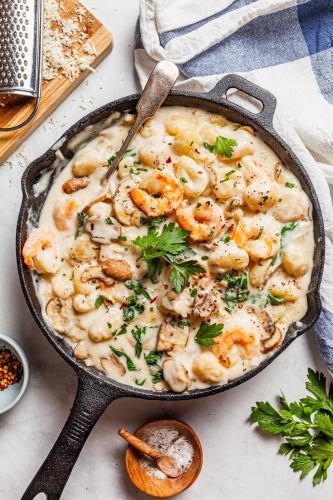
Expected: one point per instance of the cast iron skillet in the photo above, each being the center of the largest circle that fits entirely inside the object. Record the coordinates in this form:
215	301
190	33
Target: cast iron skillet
95	390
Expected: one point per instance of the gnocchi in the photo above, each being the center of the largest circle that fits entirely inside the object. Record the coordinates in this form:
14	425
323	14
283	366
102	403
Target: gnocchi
185	270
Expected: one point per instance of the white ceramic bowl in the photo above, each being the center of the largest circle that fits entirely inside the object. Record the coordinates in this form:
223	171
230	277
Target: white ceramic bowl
10	396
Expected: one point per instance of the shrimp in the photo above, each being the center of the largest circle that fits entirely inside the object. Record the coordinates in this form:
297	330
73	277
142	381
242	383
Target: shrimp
237	341
158	194
40	252
259	236
203	219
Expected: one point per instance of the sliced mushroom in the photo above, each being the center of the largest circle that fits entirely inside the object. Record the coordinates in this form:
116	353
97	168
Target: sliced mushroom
176	375
273	335
103	229
61	314
81	350
274	341
117	268
96	273
231	206
113	366
172	338
124	209
75	184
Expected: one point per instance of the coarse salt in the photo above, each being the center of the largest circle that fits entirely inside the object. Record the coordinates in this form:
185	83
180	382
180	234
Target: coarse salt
171	442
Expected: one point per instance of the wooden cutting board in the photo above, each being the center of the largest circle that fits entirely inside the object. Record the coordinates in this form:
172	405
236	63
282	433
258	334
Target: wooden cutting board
53	91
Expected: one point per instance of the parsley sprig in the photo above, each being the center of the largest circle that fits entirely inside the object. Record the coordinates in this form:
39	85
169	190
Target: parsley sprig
207	333
223	146
168	248
307	426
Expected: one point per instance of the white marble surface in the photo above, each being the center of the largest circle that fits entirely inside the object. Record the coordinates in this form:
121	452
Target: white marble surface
239	462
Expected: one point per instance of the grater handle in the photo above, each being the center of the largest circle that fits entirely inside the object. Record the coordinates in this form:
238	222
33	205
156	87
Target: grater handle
25	122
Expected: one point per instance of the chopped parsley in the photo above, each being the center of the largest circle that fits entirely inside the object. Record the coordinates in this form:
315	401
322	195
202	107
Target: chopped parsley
153	359
207	332
237	286
137	333
223	146
82	218
274	300
132	308
155	222
129	363
185	181
122	330
289	185
108	220
137	287
225	239
140	382
260	232
288	227
227	175
194	292
129	152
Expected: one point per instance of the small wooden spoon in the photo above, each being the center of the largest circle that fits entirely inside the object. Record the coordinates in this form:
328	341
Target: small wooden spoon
164	462
168	486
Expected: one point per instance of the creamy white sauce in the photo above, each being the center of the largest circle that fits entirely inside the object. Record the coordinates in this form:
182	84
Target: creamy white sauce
158	147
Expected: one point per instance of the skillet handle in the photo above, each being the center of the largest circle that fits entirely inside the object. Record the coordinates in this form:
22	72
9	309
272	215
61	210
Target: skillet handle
268	100
90	402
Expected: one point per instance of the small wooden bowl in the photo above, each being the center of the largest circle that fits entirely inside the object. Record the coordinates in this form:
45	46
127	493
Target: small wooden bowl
167	487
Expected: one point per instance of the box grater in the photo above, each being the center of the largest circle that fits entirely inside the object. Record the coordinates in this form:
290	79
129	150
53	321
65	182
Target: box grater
21	26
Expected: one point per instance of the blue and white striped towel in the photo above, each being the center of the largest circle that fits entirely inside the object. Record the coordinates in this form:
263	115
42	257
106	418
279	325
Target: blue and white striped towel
284	46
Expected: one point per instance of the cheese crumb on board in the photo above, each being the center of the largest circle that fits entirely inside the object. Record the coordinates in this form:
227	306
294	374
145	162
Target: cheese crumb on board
67	51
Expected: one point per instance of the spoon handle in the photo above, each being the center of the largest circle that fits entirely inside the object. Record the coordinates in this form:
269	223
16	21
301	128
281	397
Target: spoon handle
138	444
158	86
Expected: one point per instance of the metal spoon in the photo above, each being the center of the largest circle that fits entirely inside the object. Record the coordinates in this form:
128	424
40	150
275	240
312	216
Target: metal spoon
158	86
166	463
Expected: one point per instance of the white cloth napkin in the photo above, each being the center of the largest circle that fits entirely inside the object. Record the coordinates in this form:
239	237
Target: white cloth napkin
284	46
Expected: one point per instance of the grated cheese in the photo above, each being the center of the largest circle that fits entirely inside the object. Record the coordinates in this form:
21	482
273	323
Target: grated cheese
66	50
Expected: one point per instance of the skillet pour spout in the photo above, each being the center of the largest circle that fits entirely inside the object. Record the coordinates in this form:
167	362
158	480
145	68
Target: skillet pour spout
95	390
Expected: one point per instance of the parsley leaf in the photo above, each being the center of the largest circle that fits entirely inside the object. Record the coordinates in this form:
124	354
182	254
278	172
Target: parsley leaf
129	363
223	146
132	308
153	359
168	247
181	272
137	333
307	426
207	332
137	288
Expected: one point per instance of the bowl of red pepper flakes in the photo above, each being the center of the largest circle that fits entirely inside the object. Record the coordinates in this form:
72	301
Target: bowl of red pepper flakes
14	372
